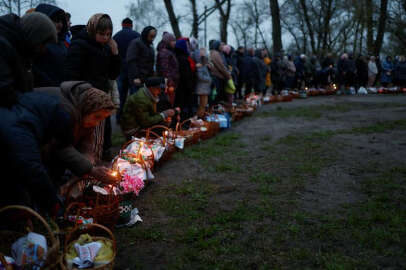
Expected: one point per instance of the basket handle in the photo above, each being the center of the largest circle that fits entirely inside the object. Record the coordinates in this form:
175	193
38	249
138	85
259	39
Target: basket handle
179	125
75	182
148	135
169	130
87	227
34	214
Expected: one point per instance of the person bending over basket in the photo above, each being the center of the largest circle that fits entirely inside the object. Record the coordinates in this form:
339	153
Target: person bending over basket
87	107
140	109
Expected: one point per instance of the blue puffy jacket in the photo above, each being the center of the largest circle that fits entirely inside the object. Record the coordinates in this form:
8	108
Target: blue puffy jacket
35	121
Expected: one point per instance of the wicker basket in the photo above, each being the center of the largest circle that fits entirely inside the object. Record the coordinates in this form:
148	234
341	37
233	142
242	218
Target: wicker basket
104	209
192	136
23	220
287	98
144	161
97	232
168	142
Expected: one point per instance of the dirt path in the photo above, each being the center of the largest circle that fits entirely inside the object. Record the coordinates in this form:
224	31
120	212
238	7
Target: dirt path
316	183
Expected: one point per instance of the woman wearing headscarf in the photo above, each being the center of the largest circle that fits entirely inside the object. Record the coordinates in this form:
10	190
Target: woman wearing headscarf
184	93
87	108
167	64
93	57
219	69
141	58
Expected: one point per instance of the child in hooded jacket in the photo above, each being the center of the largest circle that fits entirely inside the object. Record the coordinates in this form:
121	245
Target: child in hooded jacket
203	85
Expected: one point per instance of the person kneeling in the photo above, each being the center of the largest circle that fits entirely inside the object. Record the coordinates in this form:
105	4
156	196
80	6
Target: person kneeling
140	109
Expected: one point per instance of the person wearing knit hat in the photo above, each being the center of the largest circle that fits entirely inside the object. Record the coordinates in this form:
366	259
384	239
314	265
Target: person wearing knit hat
48	67
20	40
38	30
141	58
140	111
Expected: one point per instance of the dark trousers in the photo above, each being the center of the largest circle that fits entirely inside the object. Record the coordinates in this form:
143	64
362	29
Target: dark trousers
238	91
249	85
123	85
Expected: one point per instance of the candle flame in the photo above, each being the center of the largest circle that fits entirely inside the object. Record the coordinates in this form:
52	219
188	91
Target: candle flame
114	173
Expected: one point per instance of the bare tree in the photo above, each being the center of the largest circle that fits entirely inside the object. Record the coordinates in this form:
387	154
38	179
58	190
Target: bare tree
381	26
18	6
276	26
224	18
145	12
172	18
199	18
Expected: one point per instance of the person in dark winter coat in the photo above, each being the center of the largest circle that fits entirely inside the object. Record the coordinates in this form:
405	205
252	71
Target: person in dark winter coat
48	68
261	70
387	71
141	58
343	71
249	70
184	93
94	57
242	72
327	72
300	64
277	74
400	71
32	122
167	64
352	74
362	71
87	107
123	39
20	40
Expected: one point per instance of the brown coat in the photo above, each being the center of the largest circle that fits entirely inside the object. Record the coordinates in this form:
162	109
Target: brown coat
218	68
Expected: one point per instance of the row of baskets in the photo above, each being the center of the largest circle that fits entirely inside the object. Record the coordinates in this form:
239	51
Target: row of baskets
18	221
97	214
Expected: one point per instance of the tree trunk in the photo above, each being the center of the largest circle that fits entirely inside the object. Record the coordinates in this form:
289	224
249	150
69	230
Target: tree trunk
224	18
361	40
370	26
355	43
172	18
276	27
308	25
326	26
195	24
381	26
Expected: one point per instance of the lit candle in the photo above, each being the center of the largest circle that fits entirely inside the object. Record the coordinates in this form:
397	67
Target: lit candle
165	135
139	150
114	173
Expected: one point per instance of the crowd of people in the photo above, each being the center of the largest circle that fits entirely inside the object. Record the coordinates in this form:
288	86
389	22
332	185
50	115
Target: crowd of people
60	85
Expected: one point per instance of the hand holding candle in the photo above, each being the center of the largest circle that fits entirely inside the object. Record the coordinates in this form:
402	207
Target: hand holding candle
104	175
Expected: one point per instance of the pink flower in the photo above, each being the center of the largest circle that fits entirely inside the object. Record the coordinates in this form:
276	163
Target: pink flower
132	184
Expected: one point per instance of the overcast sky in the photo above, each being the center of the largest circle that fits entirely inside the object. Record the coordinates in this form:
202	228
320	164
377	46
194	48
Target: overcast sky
82	10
